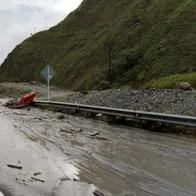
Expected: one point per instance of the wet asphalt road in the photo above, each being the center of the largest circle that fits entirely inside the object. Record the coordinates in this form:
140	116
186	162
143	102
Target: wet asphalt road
76	156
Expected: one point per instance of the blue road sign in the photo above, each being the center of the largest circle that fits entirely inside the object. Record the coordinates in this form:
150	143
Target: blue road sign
48	73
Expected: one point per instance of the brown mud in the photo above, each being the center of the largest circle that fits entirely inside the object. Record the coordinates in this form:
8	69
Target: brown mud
71	152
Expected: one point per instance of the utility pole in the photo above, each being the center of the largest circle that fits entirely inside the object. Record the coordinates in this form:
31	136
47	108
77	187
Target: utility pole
109	64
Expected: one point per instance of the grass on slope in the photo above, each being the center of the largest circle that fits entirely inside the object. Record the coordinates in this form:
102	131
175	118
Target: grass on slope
149	39
12	92
171	81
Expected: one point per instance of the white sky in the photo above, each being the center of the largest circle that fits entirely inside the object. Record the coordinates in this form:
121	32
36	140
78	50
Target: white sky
20	18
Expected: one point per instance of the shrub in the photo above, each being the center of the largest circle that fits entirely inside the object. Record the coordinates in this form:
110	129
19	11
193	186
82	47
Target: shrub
171	81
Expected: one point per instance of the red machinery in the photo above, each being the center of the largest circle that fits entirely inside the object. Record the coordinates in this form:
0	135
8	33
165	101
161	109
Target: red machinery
22	102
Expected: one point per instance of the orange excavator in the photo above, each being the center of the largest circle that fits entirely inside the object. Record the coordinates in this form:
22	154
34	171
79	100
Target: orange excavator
24	101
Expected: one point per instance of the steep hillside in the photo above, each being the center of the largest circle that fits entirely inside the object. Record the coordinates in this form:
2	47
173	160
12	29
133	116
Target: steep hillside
149	39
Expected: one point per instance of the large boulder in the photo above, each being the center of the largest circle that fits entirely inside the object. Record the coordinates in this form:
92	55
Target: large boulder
185	86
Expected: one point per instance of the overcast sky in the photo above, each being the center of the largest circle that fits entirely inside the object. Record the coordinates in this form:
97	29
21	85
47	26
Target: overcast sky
20	18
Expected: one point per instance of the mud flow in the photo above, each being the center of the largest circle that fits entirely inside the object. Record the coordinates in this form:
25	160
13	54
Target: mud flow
50	154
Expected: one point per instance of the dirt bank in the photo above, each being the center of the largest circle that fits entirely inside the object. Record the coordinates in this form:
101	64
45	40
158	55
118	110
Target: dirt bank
163	101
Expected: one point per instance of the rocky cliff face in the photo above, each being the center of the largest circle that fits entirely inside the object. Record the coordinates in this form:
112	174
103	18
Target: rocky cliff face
148	40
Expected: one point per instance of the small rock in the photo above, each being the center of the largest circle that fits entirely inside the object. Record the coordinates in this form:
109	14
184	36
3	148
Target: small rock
14	166
95	134
37	180
60	116
80	130
101	138
98	193
99	115
65	130
37	173
35	83
77	130
64	179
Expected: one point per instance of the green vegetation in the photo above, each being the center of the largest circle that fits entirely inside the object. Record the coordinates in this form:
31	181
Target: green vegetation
6	91
149	40
171	81
25	90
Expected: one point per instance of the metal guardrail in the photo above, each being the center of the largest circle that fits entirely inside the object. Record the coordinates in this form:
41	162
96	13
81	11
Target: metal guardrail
136	115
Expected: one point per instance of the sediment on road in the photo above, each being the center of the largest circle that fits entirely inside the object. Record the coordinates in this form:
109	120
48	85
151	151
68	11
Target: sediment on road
117	159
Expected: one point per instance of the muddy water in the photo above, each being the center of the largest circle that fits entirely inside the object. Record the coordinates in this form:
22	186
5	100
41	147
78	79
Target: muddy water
117	160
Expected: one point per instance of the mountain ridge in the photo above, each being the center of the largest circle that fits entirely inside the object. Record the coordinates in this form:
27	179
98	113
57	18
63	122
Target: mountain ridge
148	39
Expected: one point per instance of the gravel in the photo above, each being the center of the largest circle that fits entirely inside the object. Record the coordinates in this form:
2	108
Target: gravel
163	101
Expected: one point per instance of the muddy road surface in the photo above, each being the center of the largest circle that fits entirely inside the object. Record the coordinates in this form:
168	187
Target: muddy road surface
47	153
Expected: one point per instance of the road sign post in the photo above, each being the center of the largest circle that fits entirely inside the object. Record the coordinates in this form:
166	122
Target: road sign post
48	73
48	84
